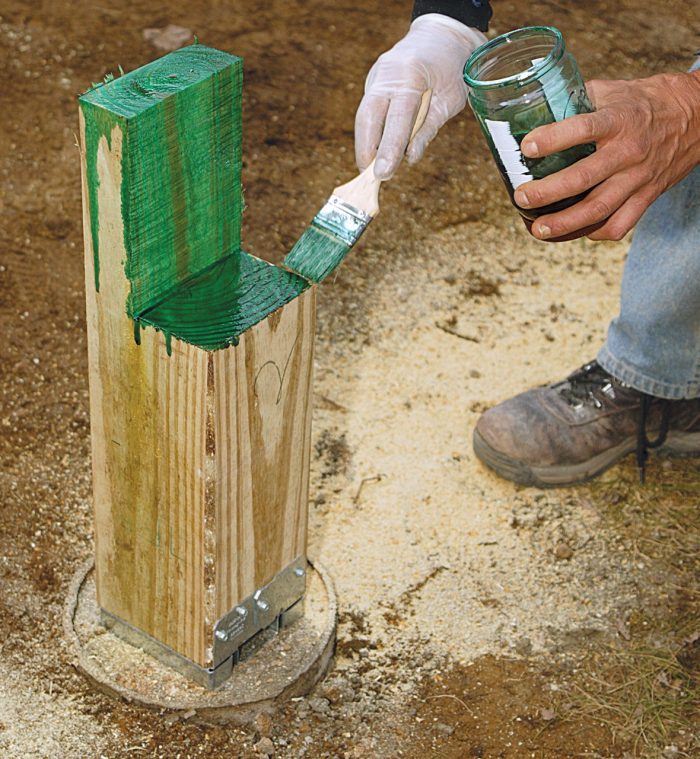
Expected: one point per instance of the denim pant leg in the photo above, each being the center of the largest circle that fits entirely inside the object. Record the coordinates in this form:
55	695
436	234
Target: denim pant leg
654	343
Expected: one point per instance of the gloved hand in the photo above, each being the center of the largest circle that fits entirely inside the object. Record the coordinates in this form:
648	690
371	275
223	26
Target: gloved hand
431	56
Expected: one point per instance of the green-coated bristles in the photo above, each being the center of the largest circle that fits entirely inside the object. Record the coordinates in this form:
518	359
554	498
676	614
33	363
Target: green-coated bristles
316	254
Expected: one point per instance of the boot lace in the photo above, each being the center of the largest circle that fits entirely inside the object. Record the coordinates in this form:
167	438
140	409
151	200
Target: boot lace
580	387
586	386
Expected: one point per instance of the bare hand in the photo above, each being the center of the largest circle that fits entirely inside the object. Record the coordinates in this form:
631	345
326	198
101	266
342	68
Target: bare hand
647	135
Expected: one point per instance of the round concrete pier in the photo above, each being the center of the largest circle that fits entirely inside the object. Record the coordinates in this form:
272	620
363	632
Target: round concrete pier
278	666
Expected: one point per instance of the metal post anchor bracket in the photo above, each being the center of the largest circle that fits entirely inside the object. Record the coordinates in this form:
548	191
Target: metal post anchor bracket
275	605
259	610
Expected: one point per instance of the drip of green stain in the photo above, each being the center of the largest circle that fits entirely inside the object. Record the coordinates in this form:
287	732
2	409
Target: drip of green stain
98	124
180	118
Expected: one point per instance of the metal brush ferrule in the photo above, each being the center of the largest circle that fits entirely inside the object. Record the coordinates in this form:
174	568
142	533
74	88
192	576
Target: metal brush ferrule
342	220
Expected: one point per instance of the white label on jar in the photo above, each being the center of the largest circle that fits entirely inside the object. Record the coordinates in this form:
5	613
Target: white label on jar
509	152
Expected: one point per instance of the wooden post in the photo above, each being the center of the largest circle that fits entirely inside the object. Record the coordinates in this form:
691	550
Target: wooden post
200	360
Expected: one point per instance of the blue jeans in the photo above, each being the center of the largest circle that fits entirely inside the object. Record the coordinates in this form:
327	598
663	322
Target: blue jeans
654	343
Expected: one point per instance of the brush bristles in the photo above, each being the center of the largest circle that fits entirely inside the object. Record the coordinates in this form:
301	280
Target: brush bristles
316	254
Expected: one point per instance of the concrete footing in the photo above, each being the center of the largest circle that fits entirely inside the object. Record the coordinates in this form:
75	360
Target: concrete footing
274	667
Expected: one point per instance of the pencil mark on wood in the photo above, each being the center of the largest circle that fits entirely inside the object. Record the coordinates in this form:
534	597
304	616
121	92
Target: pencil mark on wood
280	374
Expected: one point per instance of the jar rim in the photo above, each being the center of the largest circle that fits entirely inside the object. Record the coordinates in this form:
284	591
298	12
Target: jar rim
528	74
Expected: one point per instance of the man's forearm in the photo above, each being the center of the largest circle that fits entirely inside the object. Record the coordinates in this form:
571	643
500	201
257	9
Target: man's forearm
474	13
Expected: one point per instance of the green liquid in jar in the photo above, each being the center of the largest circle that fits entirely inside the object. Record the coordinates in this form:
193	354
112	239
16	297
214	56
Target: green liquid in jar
543	167
519	81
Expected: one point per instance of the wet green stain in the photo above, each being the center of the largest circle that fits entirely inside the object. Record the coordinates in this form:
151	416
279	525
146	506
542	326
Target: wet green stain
98	124
181	165
316	254
213	309
180	117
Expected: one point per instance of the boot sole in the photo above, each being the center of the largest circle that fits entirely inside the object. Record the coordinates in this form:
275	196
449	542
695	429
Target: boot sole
677	445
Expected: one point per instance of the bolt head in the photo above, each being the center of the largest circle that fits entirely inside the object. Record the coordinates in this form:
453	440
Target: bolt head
241	611
263	605
299	571
221	634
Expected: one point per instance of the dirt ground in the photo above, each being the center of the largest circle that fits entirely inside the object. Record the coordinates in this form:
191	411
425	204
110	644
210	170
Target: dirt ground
478	619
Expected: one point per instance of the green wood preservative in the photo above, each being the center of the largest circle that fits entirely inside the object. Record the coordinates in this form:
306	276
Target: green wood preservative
182	199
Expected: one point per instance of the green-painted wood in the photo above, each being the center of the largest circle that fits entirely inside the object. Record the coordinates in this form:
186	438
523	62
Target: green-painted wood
213	309
181	166
180	117
98	124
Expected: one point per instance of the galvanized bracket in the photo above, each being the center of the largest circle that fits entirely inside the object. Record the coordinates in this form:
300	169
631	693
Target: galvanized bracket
275	605
260	610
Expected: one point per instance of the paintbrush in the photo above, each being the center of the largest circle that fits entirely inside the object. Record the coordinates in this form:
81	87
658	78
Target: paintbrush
339	224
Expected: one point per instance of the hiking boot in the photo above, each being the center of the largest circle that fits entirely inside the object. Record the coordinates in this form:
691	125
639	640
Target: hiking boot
574	430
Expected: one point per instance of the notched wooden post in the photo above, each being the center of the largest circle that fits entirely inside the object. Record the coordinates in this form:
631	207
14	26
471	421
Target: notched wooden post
200	360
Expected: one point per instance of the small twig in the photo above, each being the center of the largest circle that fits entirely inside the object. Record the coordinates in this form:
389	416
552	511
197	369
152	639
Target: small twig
460	335
331	405
363	482
451	695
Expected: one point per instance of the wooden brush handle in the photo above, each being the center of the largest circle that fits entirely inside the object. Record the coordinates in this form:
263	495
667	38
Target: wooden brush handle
363	191
422	113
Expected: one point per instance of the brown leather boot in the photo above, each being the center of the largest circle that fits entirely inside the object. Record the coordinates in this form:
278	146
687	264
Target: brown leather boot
574	430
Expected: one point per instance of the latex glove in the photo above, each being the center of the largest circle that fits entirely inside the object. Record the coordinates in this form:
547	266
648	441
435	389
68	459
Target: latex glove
431	56
647	135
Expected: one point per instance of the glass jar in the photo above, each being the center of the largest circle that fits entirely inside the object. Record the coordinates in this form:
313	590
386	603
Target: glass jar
518	81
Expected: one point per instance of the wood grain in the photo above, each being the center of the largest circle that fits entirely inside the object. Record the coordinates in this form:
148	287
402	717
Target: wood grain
262	408
200	460
148	420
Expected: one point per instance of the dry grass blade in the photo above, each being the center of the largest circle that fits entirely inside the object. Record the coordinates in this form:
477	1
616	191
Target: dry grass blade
452	696
647	690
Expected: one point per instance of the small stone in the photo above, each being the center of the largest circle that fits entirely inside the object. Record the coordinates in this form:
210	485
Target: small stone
170	37
443	729
263	724
548	714
474	373
265	747
563	551
337	692
523	646
320	705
